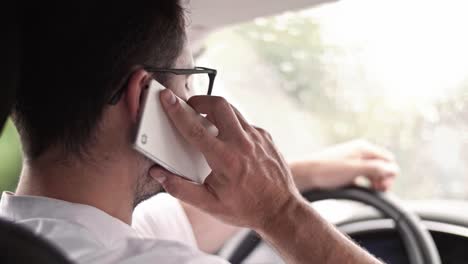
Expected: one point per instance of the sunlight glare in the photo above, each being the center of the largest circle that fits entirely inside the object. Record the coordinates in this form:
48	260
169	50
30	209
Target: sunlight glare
416	52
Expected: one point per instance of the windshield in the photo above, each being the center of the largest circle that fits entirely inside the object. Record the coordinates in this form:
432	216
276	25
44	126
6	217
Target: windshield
392	72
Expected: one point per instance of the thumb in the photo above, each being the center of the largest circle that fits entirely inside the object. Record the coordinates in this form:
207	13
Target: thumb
187	191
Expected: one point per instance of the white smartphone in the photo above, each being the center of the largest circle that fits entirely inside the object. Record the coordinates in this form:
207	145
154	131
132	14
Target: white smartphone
159	140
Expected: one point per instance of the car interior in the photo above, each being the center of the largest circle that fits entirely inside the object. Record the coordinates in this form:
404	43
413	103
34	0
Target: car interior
391	71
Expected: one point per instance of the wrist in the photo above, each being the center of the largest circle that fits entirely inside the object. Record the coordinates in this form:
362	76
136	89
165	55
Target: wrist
285	217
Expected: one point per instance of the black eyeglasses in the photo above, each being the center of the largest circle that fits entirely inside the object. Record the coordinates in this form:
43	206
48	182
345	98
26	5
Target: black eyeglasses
195	71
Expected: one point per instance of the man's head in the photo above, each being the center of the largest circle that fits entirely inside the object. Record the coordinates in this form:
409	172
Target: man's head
76	56
10	54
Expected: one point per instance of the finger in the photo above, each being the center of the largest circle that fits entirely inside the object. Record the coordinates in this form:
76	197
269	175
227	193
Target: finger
190	128
219	111
189	192
380	173
242	120
387	183
382	184
217	182
264	133
372	151
377	185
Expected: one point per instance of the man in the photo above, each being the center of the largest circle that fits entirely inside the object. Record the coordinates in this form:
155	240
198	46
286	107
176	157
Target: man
85	67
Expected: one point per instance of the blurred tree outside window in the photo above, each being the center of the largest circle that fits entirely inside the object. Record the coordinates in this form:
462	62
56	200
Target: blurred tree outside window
392	72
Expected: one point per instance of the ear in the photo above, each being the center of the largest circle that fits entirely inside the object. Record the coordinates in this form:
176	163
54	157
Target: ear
137	84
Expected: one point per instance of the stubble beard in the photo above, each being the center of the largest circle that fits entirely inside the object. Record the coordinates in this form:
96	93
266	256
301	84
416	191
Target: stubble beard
146	187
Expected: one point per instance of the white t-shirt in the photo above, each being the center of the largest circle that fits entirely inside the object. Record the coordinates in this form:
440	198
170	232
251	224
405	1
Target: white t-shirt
161	232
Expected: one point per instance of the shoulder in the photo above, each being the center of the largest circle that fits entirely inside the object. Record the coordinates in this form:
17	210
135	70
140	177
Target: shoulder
163	217
150	250
162	201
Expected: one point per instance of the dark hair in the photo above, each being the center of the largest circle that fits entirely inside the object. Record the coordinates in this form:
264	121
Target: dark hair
75	53
10	53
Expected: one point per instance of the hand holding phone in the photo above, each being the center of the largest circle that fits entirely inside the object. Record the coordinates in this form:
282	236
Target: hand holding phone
160	141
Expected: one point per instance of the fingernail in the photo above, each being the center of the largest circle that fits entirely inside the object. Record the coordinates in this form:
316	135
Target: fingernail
169	97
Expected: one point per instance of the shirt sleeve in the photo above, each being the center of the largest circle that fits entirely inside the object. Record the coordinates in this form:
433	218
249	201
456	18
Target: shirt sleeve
162	217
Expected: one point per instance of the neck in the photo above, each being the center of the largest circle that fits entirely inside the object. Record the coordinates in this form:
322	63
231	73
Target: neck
108	186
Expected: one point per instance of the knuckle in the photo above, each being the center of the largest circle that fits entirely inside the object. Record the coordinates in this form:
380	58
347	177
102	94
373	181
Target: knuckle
264	133
246	143
379	172
220	103
371	169
247	146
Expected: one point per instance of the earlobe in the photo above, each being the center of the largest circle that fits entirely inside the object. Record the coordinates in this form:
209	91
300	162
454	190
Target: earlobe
135	90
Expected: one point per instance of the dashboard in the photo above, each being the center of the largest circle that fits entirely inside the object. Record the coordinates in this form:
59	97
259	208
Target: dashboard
447	221
380	239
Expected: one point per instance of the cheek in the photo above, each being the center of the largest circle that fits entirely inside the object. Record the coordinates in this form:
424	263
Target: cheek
177	85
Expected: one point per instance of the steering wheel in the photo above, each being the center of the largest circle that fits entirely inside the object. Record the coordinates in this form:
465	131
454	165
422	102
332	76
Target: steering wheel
419	245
